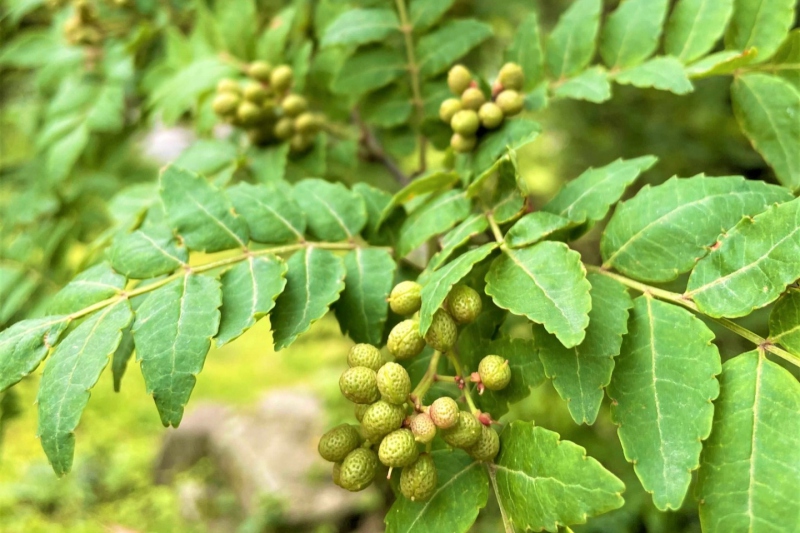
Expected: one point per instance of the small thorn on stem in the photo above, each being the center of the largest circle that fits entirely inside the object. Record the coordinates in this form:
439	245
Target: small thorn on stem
389	475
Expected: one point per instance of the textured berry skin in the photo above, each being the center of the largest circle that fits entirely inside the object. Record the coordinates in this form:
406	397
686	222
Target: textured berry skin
443	332
491	115
359	385
418	480
228	85
380	419
463	144
464	304
465	122
281	78
338	442
458	79
494	372
511	77
405	341
423	428
465	433
365	355
405	298
259	70
225	103
511	102
255	92
444	412
284	128
294	104
487	446
398	449
358	469
360	409
394	383
448	108
473	98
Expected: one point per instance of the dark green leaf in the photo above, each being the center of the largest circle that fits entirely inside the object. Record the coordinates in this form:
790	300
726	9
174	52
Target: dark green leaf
473	225
119	361
437	51
571	44
147	253
425	13
429	183
387	107
270	211
786	60
333	211
513	135
526	50
89	287
367	70
436	215
25	344
631	32
361	26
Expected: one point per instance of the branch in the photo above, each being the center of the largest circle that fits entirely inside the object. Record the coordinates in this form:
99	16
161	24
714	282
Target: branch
376	151
413	69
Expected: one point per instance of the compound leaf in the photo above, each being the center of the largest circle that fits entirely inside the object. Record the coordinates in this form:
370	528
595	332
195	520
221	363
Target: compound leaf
760	24
270	211
147	252
436	215
664	73
631	33
89	287
369	69
333	211
360	26
438	50
25	344
571	44
784	321
695	26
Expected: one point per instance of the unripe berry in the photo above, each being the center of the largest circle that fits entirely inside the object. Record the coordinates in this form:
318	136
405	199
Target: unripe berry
404	340
300	143
284	128
511	77
255	92
365	355
338	442
458	79
494	372
443	332
394	383
465	122
444	412
225	103
491	115
381	418
511	102
473	98
259	136
463	143
308	123
449	107
405	298
248	113
464	304
359	385
294	104
360	409
336	474
418	480
423	428
398	449
487	446
259	70
281	78
358	469
465	433
228	85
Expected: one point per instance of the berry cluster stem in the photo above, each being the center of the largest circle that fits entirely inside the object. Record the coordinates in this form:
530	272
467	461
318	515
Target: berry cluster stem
428	378
413	69
453	357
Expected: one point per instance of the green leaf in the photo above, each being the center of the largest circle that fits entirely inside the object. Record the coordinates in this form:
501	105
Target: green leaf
581	373
425	13
664	230
535	227
750	469
360	26
526	50
119	361
369	69
271	44
362	308
661	394
249	290
721	63
461	491
591	85
238	26
507	202
208	156
64	153
268	164
512	135
375	201
631	33
544	482
786	60
313	282
571	44
784	321
432	182
147	253
473	225
71	372
387	107
767	109
546	283
439	284
664	73
25	344
438	50
761	24
202	216
333	211
270	211
436	215
589	196
172	332
752	266
695	26
89	287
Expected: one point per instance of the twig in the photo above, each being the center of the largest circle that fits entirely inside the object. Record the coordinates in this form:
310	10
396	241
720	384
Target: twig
413	69
376	151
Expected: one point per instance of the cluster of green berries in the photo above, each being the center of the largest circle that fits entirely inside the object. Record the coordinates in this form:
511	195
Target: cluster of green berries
471	112
266	108
83	26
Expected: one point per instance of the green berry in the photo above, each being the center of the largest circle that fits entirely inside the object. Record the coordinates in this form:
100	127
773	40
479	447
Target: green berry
380	419
259	70
394	383
418	480
487	446
225	103
444	412
463	143
511	102
443	332
465	122
281	78
511	77
284	128
405	298
448	108
458	79
472	98
259	136
359	385
308	123
294	104
491	115
365	355
255	92
464	304
465	433
404	340
360	409
337	474
300	143
338	442
358	469
398	449
228	85
494	372
423	428
248	113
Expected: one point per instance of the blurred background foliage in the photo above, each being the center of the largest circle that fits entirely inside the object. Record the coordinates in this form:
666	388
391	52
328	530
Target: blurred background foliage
82	135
